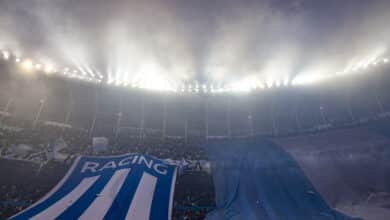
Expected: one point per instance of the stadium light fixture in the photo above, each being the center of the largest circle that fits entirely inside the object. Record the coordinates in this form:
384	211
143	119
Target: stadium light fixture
38	66
27	65
260	85
270	84
49	68
5	54
286	81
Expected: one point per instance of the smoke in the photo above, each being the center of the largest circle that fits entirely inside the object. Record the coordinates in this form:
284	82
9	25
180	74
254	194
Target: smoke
203	40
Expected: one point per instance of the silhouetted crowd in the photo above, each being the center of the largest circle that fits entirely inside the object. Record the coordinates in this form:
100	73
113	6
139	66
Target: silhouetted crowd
24	153
353	159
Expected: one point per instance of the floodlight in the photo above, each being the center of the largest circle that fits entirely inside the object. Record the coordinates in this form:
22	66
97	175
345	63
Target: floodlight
38	66
118	82
286	81
49	68
270	83
27	65
6	54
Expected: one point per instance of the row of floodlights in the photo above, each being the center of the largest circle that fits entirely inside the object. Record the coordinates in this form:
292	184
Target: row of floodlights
246	86
82	74
29	66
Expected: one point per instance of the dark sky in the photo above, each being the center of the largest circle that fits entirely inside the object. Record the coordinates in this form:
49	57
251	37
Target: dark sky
205	40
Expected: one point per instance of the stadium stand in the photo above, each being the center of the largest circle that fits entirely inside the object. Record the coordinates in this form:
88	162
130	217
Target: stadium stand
343	147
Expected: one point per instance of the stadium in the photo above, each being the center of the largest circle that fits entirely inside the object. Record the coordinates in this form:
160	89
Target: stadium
189	110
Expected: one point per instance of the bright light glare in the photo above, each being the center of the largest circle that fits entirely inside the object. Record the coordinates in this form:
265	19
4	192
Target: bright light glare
270	83
155	82
6	55
27	65
49	68
306	79
286	81
245	85
152	76
260	85
38	66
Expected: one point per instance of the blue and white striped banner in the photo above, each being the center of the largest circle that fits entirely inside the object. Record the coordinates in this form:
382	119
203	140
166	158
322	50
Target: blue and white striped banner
132	186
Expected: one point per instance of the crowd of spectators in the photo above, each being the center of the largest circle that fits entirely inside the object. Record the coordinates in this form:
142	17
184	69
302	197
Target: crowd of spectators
193	192
80	142
25	183
353	163
34	174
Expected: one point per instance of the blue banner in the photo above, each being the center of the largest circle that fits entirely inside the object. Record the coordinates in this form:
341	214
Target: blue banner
256	179
132	186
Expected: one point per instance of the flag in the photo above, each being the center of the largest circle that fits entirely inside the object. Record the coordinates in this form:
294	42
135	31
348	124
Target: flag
258	180
132	186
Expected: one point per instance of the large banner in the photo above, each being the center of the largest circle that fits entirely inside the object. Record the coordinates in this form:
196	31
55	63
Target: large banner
256	179
132	186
